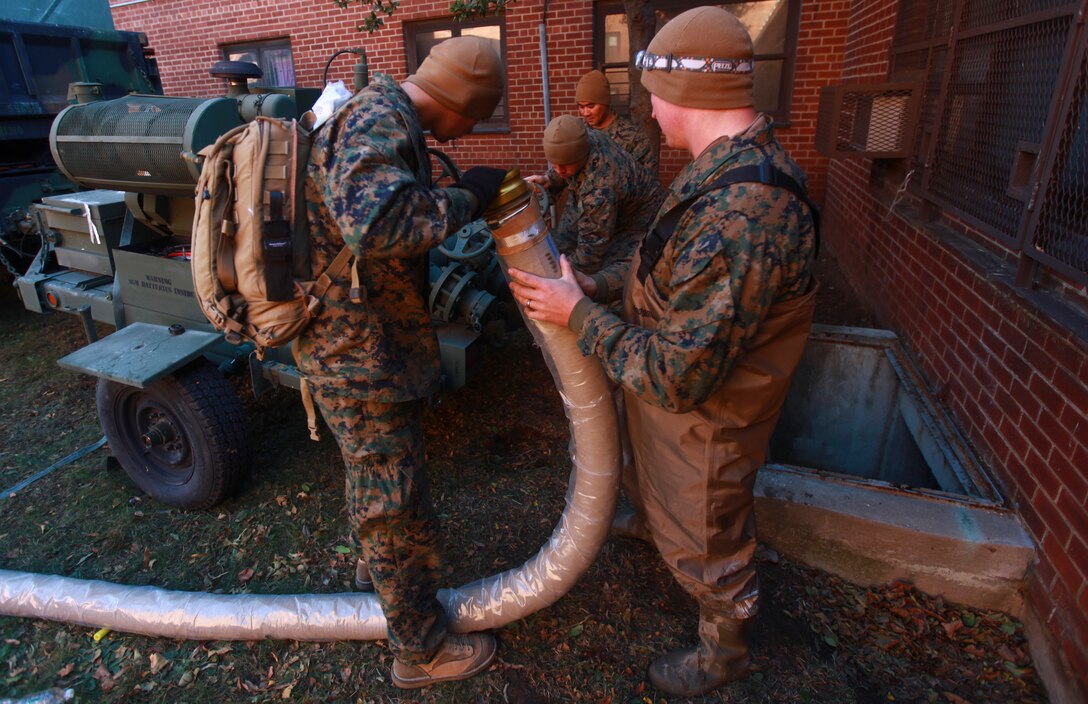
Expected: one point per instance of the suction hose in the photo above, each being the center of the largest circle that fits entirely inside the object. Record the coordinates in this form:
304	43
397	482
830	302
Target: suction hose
522	240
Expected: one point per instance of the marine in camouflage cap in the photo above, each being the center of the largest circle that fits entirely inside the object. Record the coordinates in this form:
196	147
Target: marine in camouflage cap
612	199
709	336
371	353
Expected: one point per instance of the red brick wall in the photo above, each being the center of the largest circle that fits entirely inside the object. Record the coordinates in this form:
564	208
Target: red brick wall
187	36
1015	380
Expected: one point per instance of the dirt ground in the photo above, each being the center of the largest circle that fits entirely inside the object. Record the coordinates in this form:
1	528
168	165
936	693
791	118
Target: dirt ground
498	459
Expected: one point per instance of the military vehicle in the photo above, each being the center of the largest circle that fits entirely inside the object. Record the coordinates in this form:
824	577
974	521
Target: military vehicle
39	63
116	251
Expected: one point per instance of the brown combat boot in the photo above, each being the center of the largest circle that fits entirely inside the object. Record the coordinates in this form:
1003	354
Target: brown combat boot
458	658
363	582
628	524
720	657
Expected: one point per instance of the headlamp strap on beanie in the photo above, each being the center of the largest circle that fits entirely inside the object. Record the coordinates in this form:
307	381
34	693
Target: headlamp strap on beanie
765	173
645	61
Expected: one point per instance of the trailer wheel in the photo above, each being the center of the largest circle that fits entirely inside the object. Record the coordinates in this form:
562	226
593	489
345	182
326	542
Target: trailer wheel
183	439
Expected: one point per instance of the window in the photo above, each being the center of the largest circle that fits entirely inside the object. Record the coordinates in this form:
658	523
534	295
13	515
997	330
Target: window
1000	144
771	23
421	37
273	56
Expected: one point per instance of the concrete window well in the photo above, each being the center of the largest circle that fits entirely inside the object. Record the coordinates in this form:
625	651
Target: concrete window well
868	478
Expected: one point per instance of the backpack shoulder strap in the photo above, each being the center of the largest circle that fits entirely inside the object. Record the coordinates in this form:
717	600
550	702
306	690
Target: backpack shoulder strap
765	173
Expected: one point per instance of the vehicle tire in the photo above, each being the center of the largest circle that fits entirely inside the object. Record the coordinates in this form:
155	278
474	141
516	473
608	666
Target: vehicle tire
183	439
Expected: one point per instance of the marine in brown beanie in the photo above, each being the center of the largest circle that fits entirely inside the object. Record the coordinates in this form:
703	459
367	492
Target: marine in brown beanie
612	199
372	354
594	97
717	311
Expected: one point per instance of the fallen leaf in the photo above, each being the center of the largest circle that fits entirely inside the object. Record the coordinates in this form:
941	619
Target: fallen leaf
246	575
157	663
104	677
1018	672
951	627
66	670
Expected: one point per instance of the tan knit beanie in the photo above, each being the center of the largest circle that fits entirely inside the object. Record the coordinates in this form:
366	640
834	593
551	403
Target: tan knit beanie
703	33
566	140
463	74
593	88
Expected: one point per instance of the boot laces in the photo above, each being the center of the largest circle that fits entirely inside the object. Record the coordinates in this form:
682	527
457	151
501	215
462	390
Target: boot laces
457	648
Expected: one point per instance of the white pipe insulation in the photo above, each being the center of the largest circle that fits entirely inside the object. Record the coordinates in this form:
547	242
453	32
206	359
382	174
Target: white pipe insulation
487	603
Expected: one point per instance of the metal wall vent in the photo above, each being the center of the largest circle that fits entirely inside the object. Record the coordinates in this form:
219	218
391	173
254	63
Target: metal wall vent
875	121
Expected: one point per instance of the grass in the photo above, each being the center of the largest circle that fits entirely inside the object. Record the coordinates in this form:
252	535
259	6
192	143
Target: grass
499	466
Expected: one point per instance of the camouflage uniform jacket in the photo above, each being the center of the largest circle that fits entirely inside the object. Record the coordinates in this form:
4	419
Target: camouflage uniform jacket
611	202
626	134
368	186
735	253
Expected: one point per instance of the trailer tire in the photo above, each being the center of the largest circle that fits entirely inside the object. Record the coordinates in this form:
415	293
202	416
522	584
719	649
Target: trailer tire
183	439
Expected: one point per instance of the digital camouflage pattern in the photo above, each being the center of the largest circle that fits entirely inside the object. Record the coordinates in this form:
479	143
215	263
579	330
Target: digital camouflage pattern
389	508
610	204
734	254
634	141
369	186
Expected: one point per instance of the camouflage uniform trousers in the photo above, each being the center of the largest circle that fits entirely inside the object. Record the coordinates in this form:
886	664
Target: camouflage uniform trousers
390	515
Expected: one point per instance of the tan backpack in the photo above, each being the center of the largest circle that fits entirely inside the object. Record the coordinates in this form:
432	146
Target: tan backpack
250	245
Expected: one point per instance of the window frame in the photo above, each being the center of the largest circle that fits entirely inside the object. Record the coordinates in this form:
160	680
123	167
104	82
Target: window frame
937	43
259	47
411	29
788	56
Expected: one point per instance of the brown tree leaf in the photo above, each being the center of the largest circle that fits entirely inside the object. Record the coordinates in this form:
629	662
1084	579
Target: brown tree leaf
104	677
951	627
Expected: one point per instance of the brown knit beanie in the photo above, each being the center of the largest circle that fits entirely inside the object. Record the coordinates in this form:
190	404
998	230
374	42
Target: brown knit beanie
593	88
709	33
566	140
463	74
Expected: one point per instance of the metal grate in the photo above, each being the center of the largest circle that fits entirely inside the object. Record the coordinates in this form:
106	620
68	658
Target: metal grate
108	141
1060	237
921	22
872	121
996	101
980	13
1002	140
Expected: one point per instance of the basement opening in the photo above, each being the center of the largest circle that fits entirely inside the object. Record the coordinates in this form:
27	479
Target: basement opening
868	478
859	407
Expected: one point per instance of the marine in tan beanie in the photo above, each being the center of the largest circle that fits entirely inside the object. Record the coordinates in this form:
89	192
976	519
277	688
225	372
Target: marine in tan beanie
462	74
566	144
594	97
701	59
370	193
698	70
721	285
